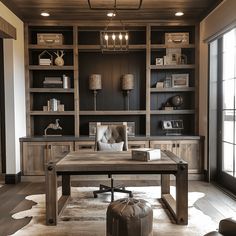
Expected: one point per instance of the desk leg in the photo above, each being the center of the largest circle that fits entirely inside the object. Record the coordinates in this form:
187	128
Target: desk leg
182	194
65	193
165	184
51	194
66	185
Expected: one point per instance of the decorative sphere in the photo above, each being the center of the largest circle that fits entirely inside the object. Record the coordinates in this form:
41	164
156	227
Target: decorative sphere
177	101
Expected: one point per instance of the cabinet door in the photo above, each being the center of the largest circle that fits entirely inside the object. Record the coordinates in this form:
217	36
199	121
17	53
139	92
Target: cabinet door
60	149
138	144
189	150
33	158
164	145
85	146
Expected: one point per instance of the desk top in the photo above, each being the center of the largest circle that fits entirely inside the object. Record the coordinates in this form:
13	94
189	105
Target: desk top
115	161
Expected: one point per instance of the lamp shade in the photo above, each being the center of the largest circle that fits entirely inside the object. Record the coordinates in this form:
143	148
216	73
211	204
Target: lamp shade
95	82
127	82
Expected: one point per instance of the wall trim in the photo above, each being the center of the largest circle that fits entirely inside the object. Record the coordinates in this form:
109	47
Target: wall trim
7	30
13	178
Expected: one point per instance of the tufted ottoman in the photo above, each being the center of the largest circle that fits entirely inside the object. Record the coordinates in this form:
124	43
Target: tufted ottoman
129	217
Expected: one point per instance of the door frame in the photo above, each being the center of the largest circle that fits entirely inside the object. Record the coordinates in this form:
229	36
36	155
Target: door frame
224	179
2	112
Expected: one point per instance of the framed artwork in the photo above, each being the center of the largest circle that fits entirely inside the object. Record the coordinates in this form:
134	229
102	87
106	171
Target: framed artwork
172	56
180	80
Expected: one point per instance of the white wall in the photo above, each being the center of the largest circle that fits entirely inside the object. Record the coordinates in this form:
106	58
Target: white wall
14	78
218	20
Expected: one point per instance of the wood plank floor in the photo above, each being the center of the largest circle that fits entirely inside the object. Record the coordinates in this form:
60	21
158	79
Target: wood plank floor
215	204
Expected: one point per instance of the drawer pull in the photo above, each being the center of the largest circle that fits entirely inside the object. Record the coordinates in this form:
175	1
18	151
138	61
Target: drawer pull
86	147
135	146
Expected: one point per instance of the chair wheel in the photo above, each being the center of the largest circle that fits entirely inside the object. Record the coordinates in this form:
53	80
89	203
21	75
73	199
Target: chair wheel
123	188
95	195
131	195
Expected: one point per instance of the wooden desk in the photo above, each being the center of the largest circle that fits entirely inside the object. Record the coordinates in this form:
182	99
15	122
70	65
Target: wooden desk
93	163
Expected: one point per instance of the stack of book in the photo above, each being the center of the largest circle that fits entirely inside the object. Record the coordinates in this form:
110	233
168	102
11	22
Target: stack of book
45	62
52	82
146	154
53	105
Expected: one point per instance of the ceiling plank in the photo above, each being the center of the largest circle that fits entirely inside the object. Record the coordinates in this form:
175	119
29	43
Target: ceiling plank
79	9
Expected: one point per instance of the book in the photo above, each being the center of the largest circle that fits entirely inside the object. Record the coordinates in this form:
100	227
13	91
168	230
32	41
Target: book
146	154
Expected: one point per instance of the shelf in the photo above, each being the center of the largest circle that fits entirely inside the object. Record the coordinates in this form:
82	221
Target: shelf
169	67
38	67
50	90
36	46
98	47
163	46
165	90
51	113
172	112
121	112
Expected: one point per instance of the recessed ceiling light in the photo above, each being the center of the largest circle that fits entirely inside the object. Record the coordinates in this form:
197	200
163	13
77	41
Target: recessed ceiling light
45	14
111	14
179	13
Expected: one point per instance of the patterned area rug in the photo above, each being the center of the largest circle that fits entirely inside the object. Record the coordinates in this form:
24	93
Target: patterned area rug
86	216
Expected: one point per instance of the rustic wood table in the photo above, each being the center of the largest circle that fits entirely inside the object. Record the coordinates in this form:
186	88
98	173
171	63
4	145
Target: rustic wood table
93	163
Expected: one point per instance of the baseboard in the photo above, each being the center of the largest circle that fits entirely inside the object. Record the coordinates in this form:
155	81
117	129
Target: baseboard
13	178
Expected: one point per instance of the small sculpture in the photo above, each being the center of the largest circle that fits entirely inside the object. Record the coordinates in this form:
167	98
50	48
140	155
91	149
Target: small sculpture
59	60
177	101
55	126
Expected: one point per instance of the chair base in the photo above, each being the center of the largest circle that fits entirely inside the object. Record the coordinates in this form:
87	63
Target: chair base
105	189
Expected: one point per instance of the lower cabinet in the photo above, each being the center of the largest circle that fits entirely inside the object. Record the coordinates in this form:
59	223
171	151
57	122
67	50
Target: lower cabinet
36	154
188	150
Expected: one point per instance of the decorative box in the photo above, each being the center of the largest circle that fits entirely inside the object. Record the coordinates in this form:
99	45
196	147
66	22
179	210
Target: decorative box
49	39
130	127
146	154
173	39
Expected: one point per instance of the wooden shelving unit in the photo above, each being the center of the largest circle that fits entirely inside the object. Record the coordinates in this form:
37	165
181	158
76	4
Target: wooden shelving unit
83	57
167	90
37	95
115	113
50	90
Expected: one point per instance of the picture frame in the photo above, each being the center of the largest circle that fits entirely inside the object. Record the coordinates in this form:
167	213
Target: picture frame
172	56
159	61
160	85
180	80
168	82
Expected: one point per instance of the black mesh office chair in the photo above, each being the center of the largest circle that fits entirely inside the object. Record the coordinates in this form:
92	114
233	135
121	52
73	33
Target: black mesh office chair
111	138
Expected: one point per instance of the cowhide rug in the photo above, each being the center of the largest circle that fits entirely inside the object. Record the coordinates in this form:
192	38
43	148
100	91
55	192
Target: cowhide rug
86	216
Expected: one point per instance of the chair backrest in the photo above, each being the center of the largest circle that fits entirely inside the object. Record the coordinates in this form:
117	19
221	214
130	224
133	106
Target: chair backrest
111	137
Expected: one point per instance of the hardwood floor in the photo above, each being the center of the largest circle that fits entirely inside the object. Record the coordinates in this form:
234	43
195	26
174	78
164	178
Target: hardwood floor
215	204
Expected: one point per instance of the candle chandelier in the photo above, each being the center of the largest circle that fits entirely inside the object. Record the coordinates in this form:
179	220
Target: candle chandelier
118	39
114	40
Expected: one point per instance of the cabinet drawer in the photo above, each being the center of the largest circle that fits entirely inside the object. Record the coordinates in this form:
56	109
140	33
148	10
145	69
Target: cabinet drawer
163	145
138	144
60	149
85	146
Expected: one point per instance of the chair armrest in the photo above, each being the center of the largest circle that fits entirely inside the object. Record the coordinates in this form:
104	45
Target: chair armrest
227	227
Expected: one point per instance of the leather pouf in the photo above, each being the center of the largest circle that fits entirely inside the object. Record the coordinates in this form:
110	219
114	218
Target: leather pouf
129	217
